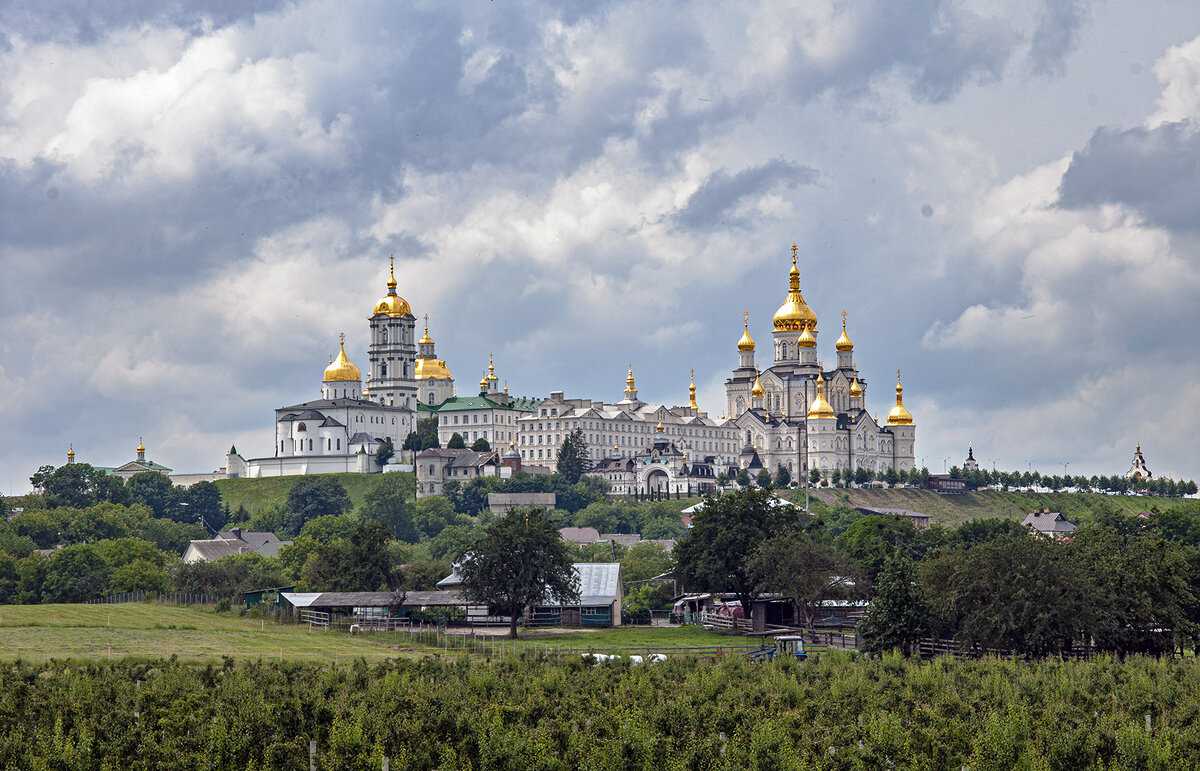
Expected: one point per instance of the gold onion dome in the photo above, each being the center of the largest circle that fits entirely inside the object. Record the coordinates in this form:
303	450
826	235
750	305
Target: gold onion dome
844	343
483	382
692	393
491	375
746	343
630	382
425	338
432	369
806	339
341	369
856	391
660	427
757	389
820	407
70	453
392	304
794	314
141	446
899	416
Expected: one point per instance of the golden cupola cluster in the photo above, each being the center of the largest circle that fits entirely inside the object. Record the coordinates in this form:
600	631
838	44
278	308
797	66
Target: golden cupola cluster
429	367
820	407
844	344
794	315
630	384
392	304
746	343
491	373
899	416
70	453
856	390
341	369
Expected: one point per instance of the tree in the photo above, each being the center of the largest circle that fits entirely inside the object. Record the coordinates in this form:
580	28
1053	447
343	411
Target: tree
426	435
385	452
897	617
715	554
228	577
890	477
481	445
360	563
573	460
872	539
71	485
74	574
519	561
801	569
314	496
10	579
836	477
783	477
433	514
156	492
861	476
452	542
204	506
456	442
387	503
814	476
743	478
763	479
140	575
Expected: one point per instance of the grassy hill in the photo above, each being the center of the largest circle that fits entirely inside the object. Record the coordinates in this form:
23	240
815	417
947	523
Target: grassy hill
259	495
951	510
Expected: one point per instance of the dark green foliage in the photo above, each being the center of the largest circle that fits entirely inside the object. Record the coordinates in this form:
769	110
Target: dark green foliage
452	542
897	617
763	478
78	485
75	574
456	442
715	554
386	451
203	501
360	563
743	478
573	459
228	577
314	496
390	503
155	491
783	477
425	437
517	561
870	540
481	445
516	714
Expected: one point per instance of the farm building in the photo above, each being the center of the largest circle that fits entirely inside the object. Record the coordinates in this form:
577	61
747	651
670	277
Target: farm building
599	603
919	520
1051	524
366	608
233	541
502	503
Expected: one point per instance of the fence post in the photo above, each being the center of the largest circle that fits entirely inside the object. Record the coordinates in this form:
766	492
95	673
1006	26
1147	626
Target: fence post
312	755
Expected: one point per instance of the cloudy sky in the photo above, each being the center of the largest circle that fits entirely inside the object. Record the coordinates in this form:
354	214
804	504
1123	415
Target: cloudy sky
195	198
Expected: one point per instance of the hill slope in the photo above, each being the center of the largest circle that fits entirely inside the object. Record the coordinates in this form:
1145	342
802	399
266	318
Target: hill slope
953	510
259	495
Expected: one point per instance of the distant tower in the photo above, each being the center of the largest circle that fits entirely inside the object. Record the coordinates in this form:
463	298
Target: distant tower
392	352
434	380
970	464
692	393
822	430
630	386
141	450
792	317
70	453
1138	470
845	348
900	423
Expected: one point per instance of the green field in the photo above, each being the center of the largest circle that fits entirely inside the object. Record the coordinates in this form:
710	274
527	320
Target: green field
43	632
259	495
951	510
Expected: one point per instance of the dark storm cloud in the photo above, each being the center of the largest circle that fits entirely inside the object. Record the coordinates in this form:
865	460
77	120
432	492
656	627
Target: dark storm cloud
712	205
1155	171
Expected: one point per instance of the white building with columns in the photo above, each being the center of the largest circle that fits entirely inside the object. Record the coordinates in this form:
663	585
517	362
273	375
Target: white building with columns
798	415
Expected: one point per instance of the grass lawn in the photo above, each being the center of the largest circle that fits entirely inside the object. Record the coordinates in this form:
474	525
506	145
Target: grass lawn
41	632
259	495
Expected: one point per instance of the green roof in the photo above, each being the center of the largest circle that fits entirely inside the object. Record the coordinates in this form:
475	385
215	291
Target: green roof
465	403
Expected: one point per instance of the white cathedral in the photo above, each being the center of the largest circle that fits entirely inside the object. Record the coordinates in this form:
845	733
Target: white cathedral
342	430
798	415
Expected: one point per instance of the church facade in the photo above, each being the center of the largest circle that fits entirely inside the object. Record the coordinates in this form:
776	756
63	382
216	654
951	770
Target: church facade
344	429
799	414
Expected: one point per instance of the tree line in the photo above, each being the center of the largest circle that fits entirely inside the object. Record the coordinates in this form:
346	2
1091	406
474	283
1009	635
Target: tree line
1120	584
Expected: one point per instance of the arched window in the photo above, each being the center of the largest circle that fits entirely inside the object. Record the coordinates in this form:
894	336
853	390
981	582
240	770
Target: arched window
383	369
301	427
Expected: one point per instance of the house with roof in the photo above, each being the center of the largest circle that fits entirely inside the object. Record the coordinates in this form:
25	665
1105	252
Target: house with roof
232	542
1052	524
438	465
600	596
919	520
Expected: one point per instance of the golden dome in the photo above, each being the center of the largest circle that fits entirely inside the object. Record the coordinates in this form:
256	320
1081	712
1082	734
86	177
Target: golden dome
692	393
794	314
820	408
491	375
844	343
899	416
425	338
757	389
70	453
806	339
141	448
630	383
856	390
392	304
660	427
432	369
341	369
746	343
483	383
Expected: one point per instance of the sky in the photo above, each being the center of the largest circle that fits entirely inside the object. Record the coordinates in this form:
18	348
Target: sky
196	198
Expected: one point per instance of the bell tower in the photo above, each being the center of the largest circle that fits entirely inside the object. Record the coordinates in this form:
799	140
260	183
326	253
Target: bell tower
391	378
